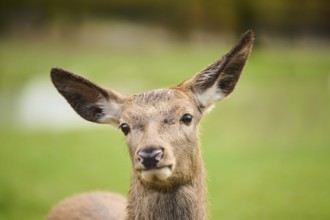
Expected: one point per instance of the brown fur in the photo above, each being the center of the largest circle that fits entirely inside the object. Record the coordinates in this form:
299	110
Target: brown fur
90	206
154	121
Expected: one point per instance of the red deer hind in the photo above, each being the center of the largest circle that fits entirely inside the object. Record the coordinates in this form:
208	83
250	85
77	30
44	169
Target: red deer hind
161	131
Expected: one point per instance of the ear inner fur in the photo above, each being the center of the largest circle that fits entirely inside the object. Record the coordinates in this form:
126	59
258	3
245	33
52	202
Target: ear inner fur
89	100
219	79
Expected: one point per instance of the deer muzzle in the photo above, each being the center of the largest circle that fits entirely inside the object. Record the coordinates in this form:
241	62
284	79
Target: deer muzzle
152	164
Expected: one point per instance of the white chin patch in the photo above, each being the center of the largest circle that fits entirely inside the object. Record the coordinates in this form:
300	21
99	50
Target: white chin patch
159	174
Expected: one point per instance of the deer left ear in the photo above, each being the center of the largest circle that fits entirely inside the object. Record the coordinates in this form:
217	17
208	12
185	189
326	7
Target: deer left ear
89	100
219	79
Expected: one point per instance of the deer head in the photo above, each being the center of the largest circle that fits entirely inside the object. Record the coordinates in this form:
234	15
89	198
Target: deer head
160	126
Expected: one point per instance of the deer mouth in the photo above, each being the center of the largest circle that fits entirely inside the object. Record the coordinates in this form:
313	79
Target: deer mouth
157	173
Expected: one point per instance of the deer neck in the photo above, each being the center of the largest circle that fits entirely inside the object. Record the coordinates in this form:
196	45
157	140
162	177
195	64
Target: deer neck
186	202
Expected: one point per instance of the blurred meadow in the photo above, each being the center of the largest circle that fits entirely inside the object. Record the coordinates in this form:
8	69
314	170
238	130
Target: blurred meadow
266	147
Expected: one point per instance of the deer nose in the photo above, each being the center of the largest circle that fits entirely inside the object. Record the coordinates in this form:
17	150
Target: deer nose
150	157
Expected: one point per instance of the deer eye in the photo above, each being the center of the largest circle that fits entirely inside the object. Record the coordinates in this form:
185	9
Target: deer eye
125	128
186	119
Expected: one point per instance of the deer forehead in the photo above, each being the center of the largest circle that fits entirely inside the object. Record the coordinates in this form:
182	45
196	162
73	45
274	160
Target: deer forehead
162	105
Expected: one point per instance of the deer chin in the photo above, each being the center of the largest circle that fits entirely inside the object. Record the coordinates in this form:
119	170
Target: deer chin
158	174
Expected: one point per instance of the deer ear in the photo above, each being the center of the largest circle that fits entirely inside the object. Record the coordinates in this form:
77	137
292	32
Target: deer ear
219	79
89	100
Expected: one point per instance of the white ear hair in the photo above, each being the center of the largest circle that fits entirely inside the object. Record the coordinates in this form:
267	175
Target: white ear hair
210	96
111	111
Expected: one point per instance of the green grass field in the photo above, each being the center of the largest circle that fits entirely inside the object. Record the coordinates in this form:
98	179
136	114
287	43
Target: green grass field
266	148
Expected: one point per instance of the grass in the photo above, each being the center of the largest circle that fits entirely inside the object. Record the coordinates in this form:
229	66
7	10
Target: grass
266	148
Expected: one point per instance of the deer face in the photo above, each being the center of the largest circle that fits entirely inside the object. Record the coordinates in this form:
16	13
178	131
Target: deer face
161	133
160	126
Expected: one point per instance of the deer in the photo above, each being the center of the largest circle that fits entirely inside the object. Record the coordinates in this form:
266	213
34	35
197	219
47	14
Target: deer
161	131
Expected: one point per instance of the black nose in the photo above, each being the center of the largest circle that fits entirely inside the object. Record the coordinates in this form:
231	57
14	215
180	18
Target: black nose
149	157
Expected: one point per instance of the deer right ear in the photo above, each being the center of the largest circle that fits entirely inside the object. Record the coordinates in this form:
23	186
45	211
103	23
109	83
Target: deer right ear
89	100
219	79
